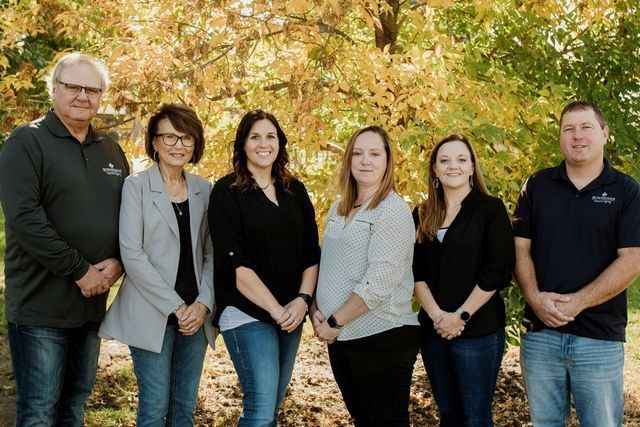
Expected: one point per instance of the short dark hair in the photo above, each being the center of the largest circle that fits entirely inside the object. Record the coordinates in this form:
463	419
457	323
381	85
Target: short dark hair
184	119
583	106
244	179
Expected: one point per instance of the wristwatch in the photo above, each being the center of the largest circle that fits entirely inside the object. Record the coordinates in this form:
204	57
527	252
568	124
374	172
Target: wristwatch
465	316
306	298
333	323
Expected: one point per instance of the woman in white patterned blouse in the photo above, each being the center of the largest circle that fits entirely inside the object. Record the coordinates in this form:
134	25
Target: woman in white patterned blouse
363	306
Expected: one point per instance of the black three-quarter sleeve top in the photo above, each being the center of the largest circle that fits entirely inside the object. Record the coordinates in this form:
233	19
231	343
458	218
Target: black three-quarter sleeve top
477	249
278	242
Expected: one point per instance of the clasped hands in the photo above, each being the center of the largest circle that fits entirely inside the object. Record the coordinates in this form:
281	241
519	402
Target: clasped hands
554	309
448	325
290	316
100	277
191	317
321	328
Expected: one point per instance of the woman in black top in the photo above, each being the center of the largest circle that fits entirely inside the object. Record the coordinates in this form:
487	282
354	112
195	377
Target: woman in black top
463	256
266	264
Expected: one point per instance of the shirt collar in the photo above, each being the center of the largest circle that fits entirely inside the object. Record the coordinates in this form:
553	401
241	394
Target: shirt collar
56	127
607	176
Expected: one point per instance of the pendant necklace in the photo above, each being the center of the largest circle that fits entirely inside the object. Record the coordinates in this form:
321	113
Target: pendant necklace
177	207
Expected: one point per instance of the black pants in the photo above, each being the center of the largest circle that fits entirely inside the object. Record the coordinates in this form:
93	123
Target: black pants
374	375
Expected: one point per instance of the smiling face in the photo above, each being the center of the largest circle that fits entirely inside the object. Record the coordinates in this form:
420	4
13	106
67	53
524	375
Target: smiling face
175	156
582	138
368	160
261	145
76	109
454	165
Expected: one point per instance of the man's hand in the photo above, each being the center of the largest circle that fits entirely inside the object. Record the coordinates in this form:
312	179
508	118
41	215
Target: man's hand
93	283
546	306
191	318
572	307
111	269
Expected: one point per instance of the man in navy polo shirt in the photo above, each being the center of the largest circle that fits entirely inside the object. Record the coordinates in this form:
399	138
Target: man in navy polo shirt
577	242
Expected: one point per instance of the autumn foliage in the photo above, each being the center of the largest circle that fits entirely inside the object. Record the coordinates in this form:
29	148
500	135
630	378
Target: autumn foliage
496	71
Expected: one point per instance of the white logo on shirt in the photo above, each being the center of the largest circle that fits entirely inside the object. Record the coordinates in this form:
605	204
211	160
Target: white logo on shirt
110	170
605	198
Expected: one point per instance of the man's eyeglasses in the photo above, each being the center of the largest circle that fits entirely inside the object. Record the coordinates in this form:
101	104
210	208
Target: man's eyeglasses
93	92
171	139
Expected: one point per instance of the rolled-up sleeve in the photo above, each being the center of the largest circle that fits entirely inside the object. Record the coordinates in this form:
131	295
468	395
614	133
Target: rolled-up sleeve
225	225
498	255
389	256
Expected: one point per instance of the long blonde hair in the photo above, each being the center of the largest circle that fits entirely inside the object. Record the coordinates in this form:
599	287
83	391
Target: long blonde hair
347	188
433	211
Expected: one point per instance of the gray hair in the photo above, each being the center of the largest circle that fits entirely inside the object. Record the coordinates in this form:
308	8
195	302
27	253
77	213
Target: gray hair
75	58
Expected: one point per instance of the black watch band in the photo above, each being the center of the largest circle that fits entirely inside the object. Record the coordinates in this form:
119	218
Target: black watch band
333	323
464	315
306	298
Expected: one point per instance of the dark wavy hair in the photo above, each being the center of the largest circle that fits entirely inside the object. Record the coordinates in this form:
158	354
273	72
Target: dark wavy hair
244	179
183	119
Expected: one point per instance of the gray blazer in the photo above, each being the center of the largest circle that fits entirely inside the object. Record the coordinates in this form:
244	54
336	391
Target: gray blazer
150	249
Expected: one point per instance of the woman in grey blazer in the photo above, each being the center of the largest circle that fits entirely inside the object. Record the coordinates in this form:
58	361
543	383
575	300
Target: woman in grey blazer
164	306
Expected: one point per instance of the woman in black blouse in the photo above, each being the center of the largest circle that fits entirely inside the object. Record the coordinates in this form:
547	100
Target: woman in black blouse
266	264
463	256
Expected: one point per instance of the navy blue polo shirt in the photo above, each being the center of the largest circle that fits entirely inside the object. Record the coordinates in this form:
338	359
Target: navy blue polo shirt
575	235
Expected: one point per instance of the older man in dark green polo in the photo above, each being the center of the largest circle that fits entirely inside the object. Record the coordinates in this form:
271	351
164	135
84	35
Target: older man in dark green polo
60	183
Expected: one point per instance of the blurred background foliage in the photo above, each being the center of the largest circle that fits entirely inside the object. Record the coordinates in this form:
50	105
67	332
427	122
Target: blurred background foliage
499	72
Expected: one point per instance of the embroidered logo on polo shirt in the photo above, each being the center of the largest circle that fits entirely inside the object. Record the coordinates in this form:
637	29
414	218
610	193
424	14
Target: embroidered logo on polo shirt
110	170
605	198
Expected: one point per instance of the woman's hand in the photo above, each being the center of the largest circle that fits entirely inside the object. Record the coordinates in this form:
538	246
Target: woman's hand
326	333
279	314
316	317
297	309
449	325
191	318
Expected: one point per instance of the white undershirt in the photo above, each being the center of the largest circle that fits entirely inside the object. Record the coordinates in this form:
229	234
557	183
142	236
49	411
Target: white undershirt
233	317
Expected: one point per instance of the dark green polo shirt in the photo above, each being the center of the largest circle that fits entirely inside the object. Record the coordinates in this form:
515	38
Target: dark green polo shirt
61	201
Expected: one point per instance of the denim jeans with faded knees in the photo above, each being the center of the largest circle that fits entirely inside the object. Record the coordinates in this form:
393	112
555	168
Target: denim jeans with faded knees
55	369
556	366
168	381
263	356
463	373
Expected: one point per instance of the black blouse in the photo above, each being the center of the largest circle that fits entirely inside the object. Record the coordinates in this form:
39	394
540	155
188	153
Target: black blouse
278	242
477	249
186	283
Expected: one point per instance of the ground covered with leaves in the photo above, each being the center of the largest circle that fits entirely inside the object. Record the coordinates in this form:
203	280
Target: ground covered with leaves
313	398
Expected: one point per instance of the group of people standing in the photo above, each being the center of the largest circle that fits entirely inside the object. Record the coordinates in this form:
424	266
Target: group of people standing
243	258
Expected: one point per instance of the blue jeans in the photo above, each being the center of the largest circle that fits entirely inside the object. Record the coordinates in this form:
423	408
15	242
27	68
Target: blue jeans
263	356
168	381
54	370
556	366
463	374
